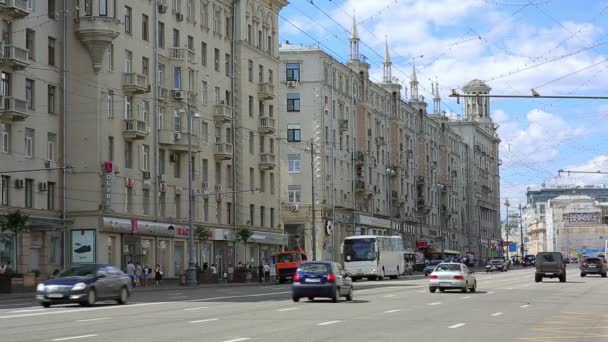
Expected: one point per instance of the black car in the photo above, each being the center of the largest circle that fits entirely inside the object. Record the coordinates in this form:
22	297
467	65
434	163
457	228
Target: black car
324	279
85	285
529	260
593	265
431	267
550	265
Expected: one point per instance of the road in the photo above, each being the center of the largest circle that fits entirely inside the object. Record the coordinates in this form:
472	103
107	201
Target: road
507	307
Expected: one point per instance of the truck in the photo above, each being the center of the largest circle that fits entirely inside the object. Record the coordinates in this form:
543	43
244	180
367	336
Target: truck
287	262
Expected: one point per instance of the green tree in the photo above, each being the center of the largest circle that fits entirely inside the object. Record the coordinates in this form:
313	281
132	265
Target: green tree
14	221
202	233
244	235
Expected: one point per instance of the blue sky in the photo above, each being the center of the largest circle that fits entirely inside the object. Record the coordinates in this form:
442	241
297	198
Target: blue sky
556	47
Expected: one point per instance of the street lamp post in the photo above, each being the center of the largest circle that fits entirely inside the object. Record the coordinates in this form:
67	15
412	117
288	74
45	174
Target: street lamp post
521	233
507	226
314	225
191	275
390	173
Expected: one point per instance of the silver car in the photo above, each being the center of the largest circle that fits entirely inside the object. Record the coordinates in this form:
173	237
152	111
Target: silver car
447	276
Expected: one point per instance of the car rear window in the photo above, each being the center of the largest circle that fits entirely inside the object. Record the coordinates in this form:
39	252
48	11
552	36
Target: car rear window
315	268
549	257
447	268
593	261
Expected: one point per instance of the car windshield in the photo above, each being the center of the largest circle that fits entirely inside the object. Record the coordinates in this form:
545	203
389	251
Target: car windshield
315	268
288	257
434	263
359	250
496	261
447	268
82	271
594	261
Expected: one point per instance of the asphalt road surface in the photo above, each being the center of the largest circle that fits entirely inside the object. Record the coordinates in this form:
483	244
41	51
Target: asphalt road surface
507	307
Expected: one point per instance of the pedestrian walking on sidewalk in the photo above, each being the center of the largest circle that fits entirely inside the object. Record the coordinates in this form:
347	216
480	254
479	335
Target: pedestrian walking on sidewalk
158	275
139	272
266	272
131	272
260	272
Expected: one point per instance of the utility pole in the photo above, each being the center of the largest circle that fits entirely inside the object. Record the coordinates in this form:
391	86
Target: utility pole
312	175
521	233
507	226
191	279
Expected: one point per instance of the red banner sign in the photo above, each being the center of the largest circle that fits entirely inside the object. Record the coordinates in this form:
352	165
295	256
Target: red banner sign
422	244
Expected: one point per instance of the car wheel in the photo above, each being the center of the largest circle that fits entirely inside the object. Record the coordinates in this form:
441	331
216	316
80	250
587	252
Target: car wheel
335	297
583	275
464	289
296	299
311	298
349	296
441	290
474	288
604	275
562	279
538	278
124	296
372	278
91	298
46	304
432	289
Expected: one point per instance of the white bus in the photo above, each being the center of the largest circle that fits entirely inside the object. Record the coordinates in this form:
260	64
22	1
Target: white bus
373	256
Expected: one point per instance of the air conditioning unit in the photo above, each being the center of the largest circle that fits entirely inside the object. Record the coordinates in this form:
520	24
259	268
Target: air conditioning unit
129	182
179	16
205	185
177	136
162	8
294	207
49	164
19	183
174	157
179	94
146	174
162	178
218	187
43	186
292	84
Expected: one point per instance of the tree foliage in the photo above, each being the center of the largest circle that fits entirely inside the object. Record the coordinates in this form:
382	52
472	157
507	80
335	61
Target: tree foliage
14	221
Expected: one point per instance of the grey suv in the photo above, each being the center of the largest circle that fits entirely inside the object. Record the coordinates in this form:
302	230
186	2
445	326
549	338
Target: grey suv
550	265
593	266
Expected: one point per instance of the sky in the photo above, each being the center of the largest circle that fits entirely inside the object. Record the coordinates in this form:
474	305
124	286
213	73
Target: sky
556	47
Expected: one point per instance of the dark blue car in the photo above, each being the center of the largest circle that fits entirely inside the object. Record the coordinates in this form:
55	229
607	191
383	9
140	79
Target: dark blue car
85	285
324	279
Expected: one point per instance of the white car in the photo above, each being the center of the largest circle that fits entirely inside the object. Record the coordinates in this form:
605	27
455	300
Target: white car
451	275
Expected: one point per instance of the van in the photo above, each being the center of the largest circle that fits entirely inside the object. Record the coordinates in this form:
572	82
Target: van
550	265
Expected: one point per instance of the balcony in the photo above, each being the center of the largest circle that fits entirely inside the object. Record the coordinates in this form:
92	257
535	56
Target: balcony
267	125
163	93
134	83
380	141
182	54
15	8
359	157
177	141
13	57
343	125
12	109
223	151
267	161
395	194
135	129
222	113
97	33
266	91
362	186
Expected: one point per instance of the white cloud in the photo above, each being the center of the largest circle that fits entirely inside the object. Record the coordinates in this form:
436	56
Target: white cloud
598	163
537	141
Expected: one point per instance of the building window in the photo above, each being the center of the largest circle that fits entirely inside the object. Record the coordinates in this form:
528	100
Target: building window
128	18
146	201
229	212
271	217
161	162
50	195
204	53
111	148
227	64
30	93
162	203
145	155
103	8
262	215
177	165
145	66
110	103
145	31
205	132
51	146
29	142
262	181
128	110
206	210
52	12
204	93
216	59
111	57
56	250
294	163
270	76
293	71
51	93
261	108
5	184
272	183
251	143
216	95
128	155
250	106
177	78
261	74
128	61
294	193
250	70
29	193
251	214
177	122
5	138
52	42
30	43
294	133
161	35
293	102
178	206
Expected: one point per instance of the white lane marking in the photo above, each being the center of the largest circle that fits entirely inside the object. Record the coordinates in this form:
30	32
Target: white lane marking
178	297
30	310
231	297
238	339
73	337
175	294
496	314
435	303
205	320
80	310
360	291
328	323
94	319
421	291
389	296
525	306
287	309
457	325
391	311
467	297
490	292
199	308
235	292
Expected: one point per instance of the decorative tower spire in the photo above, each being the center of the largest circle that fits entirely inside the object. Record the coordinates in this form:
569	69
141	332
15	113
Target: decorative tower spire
436	98
354	41
388	72
414	83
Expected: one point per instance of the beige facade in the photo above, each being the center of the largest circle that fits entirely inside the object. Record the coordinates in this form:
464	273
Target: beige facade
136	73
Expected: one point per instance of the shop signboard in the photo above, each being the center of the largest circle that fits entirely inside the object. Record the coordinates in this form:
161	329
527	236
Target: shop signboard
82	245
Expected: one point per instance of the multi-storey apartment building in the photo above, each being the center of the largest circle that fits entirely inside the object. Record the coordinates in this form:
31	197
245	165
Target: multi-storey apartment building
156	89
378	164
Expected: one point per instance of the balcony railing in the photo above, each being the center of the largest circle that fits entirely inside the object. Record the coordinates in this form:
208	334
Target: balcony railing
16	8
134	82
266	91
343	125
267	161
182	54
135	129
267	125
12	109
14	57
222	113
223	151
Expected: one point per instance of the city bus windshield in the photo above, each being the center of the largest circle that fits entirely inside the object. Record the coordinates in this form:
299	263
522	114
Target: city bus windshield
359	250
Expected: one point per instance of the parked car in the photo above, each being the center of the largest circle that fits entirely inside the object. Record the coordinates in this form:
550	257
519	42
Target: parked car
325	279
497	264
428	269
529	260
593	265
550	265
85	285
452	276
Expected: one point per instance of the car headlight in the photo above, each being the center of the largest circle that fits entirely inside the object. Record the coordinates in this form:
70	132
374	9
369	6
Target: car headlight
374	270
79	286
40	287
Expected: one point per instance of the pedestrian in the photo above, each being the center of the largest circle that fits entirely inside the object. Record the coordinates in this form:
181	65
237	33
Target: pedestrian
2	268
260	272
158	275
139	272
146	275
267	272
213	269
131	272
